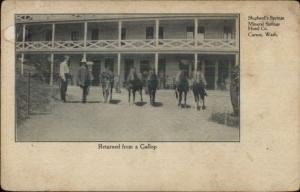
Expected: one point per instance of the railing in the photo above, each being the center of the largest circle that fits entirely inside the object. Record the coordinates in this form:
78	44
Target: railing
176	43
132	44
68	44
102	44
217	43
206	44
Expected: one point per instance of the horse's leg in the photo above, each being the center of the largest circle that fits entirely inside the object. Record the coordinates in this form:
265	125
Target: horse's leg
185	93
133	95
111	92
203	103
180	98
141	93
129	90
153	95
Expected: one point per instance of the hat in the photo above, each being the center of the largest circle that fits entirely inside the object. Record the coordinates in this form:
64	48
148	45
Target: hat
67	57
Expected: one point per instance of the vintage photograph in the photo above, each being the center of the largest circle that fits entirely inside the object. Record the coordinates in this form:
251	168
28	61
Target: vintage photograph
127	77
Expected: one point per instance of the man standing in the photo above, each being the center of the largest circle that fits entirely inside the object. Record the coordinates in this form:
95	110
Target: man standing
84	78
64	73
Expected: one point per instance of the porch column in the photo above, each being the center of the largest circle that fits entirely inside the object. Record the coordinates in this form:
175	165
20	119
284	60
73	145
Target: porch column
85	34
51	68
216	73
22	63
119	65
23	46
156	32
237	31
156	63
196	32
119	32
196	62
237	59
53	34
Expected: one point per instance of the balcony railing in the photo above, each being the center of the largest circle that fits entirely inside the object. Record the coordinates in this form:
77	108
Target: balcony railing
163	44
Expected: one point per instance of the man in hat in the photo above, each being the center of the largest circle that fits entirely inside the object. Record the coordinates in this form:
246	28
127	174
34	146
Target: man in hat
64	73
84	78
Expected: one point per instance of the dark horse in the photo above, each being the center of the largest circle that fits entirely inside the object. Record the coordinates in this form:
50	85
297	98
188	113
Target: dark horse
134	84
152	84
182	86
198	87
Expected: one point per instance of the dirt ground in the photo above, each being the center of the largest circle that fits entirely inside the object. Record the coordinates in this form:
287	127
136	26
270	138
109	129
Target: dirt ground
121	121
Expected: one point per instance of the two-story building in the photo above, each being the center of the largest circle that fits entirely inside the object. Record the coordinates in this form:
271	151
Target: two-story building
164	42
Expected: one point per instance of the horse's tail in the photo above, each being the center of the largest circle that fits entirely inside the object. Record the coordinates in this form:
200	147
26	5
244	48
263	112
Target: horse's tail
176	93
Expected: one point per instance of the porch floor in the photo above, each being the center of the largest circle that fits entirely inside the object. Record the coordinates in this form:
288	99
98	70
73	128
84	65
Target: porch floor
98	121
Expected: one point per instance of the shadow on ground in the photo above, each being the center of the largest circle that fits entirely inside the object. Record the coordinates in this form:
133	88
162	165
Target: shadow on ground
115	101
157	104
141	103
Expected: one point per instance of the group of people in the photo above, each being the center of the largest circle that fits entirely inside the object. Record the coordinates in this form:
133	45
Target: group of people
134	83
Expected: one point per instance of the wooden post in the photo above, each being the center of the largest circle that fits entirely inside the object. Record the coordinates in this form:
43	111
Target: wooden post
24	35
85	34
51	69
119	33
28	94
196	62
156	63
156	32
119	65
23	46
53	34
237	32
196	32
216	73
22	63
237	62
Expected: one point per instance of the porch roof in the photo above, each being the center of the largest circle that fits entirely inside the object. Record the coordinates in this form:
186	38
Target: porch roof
47	18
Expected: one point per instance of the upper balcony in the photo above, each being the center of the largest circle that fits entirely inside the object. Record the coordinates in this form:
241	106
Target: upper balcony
148	35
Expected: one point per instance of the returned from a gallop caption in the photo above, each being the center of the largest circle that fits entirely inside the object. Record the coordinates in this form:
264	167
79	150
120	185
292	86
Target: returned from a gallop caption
123	146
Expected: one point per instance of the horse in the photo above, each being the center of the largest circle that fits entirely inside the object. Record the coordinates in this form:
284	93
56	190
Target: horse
182	86
107	82
198	87
134	84
152	84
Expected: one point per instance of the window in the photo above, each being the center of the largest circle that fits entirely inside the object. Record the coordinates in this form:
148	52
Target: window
95	34
227	32
149	32
161	33
123	33
28	35
74	35
190	32
48	35
201	32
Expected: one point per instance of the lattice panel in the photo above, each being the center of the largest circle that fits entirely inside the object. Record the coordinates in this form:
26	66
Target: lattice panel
176	43
68	44
102	44
131	44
